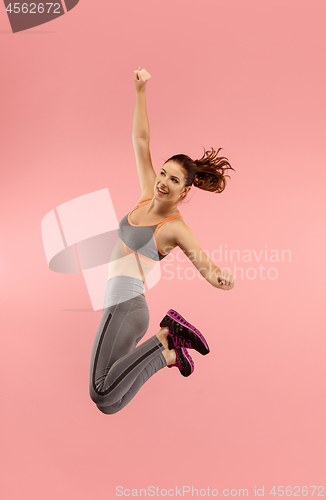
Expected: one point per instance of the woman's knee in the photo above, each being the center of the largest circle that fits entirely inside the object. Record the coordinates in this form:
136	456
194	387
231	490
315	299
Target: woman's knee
99	399
95	396
103	403
109	410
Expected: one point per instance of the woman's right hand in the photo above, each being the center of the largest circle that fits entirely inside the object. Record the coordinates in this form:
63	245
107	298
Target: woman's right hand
141	77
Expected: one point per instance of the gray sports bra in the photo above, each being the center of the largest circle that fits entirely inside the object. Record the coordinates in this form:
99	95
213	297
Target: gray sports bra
142	238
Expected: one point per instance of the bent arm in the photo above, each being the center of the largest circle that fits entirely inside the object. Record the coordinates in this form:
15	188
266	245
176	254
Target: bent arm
188	243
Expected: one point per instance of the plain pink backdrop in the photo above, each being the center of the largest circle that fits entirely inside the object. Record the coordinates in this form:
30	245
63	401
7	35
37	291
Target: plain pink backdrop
245	76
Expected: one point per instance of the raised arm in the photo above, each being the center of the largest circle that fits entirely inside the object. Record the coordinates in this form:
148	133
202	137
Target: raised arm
186	240
140	137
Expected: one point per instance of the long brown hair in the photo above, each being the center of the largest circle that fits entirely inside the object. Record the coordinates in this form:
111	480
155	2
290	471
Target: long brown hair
207	173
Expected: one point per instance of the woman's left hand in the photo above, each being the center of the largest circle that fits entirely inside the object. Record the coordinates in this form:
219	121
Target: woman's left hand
225	281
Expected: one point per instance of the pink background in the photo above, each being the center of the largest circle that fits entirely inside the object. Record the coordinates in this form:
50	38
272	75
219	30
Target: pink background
248	77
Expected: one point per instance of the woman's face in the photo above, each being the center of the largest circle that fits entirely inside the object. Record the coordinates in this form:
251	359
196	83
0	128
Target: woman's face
171	180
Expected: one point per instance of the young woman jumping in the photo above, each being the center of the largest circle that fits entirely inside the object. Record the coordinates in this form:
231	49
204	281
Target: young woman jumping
119	366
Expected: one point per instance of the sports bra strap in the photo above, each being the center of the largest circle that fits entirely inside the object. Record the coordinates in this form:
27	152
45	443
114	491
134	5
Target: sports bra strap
159	224
174	216
143	203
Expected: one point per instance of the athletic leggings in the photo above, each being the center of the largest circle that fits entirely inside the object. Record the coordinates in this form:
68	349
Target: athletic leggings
118	367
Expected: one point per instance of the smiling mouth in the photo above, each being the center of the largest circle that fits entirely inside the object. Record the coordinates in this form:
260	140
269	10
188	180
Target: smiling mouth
161	192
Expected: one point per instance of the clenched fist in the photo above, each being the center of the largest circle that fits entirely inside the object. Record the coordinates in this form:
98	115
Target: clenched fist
225	281
141	77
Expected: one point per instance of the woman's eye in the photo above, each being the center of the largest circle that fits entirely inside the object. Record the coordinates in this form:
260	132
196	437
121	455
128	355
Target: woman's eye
175	180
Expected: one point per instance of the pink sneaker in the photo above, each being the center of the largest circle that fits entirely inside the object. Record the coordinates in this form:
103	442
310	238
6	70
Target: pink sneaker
184	362
183	334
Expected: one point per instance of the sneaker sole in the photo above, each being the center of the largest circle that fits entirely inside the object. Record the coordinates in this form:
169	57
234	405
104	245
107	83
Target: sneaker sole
190	360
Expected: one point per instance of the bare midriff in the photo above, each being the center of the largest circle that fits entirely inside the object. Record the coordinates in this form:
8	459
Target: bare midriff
127	265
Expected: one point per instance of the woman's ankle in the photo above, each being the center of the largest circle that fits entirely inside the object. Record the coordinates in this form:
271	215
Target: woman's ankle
162	335
170	356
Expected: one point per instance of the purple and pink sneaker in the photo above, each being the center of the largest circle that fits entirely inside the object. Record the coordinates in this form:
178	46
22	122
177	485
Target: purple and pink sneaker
183	334
184	362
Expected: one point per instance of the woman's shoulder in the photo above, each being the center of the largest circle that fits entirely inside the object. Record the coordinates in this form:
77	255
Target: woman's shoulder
175	227
179	221
143	200
171	232
184	237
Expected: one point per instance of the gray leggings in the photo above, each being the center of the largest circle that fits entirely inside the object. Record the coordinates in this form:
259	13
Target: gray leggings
118	367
